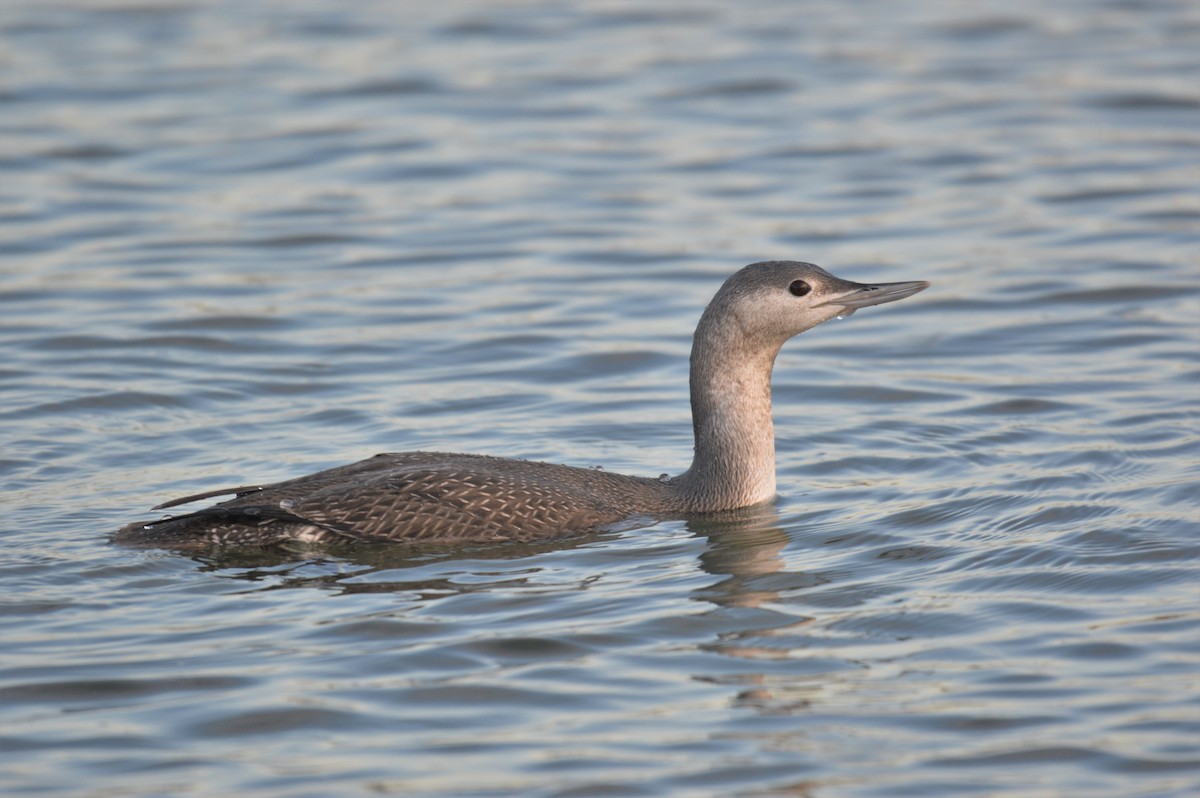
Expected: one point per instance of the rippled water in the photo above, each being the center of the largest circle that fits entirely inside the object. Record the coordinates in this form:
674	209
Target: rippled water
243	241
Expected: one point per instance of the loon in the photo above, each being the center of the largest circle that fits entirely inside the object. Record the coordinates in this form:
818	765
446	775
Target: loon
423	497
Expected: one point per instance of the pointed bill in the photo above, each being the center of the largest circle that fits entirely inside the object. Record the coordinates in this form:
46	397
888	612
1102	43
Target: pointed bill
863	296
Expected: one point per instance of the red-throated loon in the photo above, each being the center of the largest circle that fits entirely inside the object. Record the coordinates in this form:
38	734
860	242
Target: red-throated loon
430	496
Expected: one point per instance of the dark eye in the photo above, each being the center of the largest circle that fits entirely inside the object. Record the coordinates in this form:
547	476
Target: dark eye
799	287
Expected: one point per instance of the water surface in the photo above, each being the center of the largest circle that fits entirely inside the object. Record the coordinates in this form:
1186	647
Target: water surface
241	242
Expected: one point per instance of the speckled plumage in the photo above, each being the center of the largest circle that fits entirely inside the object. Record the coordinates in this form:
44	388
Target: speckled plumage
432	496
414	496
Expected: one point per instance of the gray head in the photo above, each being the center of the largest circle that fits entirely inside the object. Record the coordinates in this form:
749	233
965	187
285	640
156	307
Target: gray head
733	352
770	302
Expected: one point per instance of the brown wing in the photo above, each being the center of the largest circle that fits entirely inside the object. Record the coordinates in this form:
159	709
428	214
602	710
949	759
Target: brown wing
424	496
240	491
444	503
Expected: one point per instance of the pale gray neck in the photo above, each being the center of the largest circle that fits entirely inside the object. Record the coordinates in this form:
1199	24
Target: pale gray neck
734	463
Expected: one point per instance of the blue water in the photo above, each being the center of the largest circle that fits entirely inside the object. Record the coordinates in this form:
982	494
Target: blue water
243	241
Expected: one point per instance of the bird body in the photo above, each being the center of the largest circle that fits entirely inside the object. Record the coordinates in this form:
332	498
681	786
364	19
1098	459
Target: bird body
433	496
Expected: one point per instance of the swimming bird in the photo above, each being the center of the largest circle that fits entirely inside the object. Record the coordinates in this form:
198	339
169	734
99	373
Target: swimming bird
433	496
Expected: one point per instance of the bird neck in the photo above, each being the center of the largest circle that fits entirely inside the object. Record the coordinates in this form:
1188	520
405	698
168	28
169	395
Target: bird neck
734	462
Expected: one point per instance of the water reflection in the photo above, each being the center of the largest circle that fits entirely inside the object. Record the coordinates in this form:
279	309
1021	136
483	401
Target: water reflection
383	568
743	551
744	546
